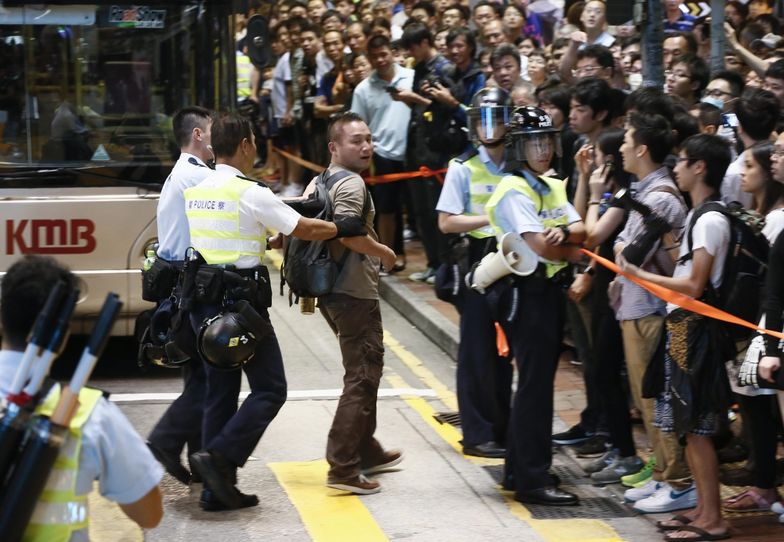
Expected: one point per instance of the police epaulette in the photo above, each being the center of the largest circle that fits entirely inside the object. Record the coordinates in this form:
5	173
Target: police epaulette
260	183
467	155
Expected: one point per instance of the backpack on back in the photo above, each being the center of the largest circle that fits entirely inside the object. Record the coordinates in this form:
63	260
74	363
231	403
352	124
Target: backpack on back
743	278
308	268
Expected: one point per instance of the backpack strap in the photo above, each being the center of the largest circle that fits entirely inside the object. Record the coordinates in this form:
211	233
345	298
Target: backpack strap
329	182
706	207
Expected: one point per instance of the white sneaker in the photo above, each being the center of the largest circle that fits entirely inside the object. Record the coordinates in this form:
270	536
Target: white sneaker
643	492
667	499
777	508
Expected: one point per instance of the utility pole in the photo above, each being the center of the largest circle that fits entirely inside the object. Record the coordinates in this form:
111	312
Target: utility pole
718	41
649	15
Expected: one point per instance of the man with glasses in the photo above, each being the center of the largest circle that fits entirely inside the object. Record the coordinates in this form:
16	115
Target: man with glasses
592	61
687	78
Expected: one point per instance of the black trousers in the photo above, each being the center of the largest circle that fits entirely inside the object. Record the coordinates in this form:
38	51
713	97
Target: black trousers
231	431
535	340
181	423
609	382
484	379
759	413
425	192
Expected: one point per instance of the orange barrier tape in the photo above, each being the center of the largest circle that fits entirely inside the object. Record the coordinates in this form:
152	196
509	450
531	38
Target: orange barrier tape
501	344
375	179
393	177
682	300
301	161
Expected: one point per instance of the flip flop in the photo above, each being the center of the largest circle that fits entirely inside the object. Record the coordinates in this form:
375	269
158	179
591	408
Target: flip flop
662	526
760	504
702	535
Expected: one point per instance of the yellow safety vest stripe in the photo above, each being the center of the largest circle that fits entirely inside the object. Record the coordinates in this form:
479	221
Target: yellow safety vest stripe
60	512
482	184
214	222
244	73
552	207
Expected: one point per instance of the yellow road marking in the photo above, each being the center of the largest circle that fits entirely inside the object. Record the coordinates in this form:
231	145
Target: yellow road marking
329	515
552	530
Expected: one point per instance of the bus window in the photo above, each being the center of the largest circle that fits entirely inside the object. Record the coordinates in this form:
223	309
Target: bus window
96	85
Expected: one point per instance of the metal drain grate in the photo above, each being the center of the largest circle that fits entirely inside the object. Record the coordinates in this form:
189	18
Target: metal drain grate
589	508
452	418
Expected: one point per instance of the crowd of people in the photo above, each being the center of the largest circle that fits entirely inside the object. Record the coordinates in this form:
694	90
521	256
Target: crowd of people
441	84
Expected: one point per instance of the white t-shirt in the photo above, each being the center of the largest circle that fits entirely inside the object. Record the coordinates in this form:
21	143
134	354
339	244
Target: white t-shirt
711	232
259	209
280	75
774	224
173	234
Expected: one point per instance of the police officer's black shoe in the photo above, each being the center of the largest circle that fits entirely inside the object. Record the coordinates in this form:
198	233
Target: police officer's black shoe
210	503
486	449
171	463
549	496
216	473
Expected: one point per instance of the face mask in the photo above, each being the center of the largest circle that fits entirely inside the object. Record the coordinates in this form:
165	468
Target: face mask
635	80
716	102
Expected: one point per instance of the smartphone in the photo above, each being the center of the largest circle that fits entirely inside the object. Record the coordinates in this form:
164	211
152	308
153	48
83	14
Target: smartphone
730	120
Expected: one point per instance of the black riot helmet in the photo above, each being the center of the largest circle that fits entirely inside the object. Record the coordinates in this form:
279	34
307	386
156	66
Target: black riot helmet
531	139
226	341
488	116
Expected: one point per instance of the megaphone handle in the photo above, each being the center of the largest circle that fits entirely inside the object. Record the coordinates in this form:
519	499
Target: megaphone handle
66	407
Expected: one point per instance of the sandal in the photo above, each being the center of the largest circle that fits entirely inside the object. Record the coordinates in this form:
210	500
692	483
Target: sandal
702	534
754	502
662	525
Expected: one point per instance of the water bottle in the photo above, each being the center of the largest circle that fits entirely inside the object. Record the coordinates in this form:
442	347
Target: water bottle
604	203
150	259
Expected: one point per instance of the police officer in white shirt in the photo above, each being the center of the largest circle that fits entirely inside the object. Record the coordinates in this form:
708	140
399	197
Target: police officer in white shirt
181	423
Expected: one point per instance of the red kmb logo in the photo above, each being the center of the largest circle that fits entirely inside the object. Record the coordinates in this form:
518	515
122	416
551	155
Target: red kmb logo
42	236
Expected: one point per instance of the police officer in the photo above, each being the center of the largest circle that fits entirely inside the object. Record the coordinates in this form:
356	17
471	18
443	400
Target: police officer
181	423
531	308
484	379
109	449
228	215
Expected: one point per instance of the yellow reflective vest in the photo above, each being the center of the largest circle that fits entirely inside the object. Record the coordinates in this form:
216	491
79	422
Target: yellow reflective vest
482	184
60	512
552	207
214	222
244	74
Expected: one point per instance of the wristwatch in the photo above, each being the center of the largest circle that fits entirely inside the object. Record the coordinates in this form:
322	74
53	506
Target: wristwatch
565	229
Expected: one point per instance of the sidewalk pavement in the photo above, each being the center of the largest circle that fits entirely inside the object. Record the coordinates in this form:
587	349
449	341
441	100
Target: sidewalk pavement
439	321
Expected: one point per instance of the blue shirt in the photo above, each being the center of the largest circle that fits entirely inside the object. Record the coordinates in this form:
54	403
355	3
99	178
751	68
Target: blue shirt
174	237
386	118
455	196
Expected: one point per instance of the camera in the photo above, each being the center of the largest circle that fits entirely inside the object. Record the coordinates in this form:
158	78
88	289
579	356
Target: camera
654	227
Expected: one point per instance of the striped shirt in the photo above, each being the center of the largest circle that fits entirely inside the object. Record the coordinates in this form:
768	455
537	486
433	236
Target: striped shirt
636	302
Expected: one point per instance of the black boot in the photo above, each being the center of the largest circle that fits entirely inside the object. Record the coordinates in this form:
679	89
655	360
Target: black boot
217	473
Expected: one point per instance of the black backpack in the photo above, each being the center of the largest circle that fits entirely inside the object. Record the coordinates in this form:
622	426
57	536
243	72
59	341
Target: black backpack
308	268
743	278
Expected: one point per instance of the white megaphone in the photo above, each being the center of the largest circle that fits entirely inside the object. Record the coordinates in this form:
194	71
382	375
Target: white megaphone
513	256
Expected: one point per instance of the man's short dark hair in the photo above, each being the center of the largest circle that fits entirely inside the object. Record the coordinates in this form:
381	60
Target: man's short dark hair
427	6
308	26
758	111
559	43
650	100
698	69
23	292
602	54
297	22
457	31
708	114
734	79
596	94
377	42
502	50
714	151
228	131
684	126
337	123
383	22
185	120
776	70
556	93
499	11
653	131
465	13
773	23
415	34
691	42
332	13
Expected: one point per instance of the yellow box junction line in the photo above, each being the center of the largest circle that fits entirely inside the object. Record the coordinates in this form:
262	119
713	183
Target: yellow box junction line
329	515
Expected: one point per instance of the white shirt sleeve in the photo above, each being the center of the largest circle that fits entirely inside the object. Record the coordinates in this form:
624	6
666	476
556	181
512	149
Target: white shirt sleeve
116	455
516	213
455	191
266	208
572	214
